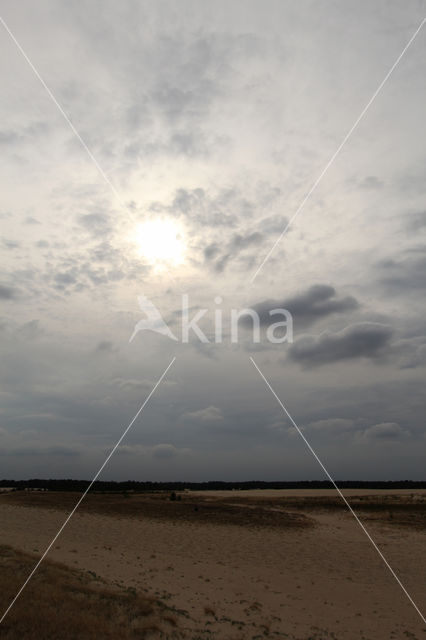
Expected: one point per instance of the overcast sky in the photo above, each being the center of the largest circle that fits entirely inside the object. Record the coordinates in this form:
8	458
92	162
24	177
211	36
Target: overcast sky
215	118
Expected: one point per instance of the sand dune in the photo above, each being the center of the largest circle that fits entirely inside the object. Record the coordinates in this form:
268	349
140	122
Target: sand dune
229	581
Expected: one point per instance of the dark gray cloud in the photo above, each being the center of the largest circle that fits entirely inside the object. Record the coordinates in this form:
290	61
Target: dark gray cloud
319	301
362	340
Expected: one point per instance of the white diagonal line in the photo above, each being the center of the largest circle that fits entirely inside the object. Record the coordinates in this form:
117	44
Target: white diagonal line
68	518
55	101
340	147
340	493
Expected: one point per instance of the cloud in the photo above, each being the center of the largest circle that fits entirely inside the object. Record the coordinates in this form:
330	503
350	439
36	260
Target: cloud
371	182
7	293
239	242
132	450
354	429
10	244
386	431
164	451
136	383
417	221
28	132
159	451
217	221
63	450
332	425
59	450
30	330
405	274
319	301
211	251
236	245
64	279
96	223
410	353
31	220
8	137
362	340
105	346
209	414
204	209
172	111
274	224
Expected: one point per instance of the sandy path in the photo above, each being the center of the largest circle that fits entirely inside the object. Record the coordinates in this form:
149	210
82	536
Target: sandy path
287	582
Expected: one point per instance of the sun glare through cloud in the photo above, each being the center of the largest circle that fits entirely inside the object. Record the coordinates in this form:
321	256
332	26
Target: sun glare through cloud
161	241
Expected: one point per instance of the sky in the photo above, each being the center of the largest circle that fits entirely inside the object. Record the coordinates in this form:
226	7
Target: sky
158	150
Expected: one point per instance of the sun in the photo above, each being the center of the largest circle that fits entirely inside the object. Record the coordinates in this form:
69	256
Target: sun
161	241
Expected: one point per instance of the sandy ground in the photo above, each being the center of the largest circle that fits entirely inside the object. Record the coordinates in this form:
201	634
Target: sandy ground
241	582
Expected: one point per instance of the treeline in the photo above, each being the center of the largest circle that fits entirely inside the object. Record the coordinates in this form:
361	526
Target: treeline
131	485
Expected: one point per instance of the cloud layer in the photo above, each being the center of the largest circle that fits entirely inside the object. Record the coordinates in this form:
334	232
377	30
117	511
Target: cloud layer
218	117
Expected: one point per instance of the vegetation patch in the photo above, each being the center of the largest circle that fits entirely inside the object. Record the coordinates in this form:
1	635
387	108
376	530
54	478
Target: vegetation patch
59	602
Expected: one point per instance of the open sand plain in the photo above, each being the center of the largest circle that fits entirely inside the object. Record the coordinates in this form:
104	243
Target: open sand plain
244	564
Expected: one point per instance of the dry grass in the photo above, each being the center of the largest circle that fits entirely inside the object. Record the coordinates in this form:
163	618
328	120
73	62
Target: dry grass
60	602
208	510
283	512
403	510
